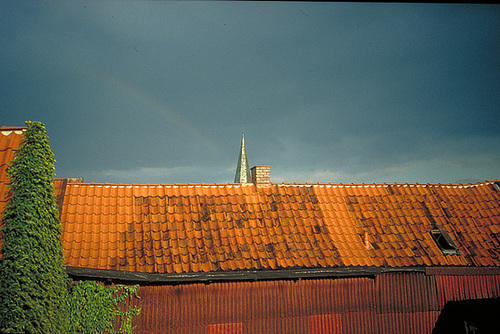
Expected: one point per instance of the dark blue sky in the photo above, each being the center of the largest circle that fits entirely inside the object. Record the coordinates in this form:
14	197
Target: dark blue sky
160	92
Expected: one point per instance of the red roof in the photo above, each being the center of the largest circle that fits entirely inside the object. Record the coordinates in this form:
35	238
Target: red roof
10	140
224	227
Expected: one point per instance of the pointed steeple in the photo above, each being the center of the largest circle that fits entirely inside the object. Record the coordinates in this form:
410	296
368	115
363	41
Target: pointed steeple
243	169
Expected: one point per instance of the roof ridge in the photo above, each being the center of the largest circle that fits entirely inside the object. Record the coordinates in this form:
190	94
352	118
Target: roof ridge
290	184
12	128
106	184
385	184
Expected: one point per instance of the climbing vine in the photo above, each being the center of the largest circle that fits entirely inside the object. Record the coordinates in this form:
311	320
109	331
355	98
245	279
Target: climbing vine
33	280
124	310
98	308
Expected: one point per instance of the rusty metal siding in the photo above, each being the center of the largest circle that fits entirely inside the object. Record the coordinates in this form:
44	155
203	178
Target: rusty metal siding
360	322
406	292
390	303
228	328
325	323
450	288
406	322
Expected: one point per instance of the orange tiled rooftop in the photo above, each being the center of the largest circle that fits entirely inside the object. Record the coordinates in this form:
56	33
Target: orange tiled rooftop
202	228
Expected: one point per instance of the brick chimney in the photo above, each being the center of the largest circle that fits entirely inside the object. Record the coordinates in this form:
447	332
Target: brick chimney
261	175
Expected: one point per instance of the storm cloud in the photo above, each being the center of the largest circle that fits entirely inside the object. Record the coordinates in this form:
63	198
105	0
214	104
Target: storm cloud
160	92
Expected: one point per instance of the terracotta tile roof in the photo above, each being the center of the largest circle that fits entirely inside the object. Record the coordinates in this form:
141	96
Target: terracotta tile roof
223	227
10	140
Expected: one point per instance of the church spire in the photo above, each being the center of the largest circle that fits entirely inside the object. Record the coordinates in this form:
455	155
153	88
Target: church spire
243	169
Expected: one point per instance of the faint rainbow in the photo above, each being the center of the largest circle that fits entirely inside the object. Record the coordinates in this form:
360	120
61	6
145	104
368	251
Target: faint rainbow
154	105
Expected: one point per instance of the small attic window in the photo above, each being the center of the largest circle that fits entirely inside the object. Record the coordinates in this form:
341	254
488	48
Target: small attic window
444	241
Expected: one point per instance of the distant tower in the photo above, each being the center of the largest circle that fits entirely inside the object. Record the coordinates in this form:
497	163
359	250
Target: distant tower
243	169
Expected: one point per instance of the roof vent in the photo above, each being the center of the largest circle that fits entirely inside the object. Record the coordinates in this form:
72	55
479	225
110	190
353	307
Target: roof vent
366	240
444	241
261	175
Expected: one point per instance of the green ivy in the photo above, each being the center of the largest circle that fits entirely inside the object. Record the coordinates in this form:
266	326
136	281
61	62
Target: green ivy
33	280
98	308
90	306
124	310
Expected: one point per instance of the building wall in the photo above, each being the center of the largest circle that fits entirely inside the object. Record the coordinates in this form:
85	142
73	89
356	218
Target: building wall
389	303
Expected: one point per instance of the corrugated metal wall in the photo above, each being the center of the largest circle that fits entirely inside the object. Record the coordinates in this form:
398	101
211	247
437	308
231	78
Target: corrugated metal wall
467	287
390	303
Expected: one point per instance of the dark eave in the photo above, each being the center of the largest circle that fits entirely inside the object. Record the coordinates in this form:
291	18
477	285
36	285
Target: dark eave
240	275
257	275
